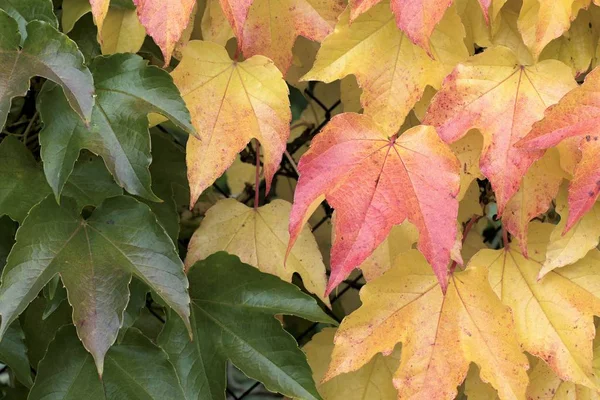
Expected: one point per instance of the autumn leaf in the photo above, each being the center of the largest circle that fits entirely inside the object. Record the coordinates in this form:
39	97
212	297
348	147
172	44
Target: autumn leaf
562	304
467	150
215	25
96	259
122	32
165	21
236	12
99	11
373	381
576	115
392	72
493	93
231	102
374	182
272	27
440	335
259	238
64	65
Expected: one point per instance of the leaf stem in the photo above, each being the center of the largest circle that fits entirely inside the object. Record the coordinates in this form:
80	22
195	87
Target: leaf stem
29	126
292	162
257	178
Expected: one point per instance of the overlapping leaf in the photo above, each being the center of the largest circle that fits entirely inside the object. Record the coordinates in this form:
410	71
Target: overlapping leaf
391	70
440	335
236	12
233	307
374	183
64	65
127	90
493	93
95	258
576	115
13	352
25	11
231	102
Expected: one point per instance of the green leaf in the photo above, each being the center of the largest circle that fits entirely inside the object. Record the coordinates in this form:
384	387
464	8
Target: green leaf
25	11
135	370
127	90
19	173
233	308
48	53
13	353
137	301
85	34
8	228
95	258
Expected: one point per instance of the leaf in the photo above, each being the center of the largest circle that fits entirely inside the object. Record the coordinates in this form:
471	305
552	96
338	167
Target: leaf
215	25
25	11
564	249
231	103
63	65
260	237
19	173
85	35
99	11
467	150
95	258
122	32
561	306
539	186
232	313
13	353
493	93
440	334
72	11
165	21
373	381
374	183
391	71
476	389
575	116
127	90
135	369
7	238
236	12
274	37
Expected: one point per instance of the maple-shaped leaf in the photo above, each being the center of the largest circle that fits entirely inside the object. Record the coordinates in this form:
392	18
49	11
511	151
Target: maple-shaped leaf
375	182
417	18
95	258
233	307
127	89
135	369
493	93
373	381
567	248
440	334
392	72
63	65
25	11
259	238
236	12
272	27
538	188
562	304
165	21
231	102
575	116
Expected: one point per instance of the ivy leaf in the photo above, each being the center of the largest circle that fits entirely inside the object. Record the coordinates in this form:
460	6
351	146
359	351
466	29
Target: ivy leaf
95	258
232	312
575	116
25	11
374	183
495	94
392	71
441	335
63	65
127	90
236	12
165	21
231	102
135	369
13	353
260	237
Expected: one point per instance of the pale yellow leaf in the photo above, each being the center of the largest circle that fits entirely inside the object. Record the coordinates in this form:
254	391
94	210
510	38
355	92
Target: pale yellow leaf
122	32
467	150
72	11
215	26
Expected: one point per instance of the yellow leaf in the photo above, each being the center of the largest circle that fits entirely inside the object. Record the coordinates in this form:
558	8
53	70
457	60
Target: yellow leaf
553	317
72	11
99	11
469	205
565	249
467	150
239	175
476	389
478	31
231	103
506	33
304	52
391	70
186	35
440	335
215	26
372	382
351	93
122	32
259	238
539	186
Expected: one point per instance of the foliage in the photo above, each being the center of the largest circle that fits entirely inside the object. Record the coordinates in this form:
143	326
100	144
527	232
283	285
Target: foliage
158	230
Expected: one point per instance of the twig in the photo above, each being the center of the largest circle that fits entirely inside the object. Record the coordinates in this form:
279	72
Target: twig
29	126
292	162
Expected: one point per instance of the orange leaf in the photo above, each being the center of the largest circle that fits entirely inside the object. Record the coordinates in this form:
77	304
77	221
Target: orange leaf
236	12
165	21
99	11
576	115
493	93
374	183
